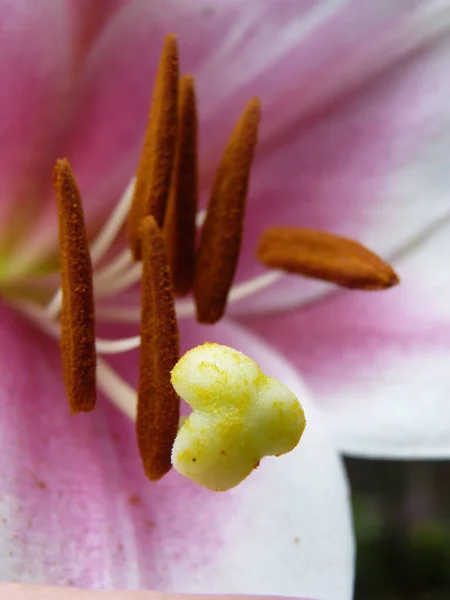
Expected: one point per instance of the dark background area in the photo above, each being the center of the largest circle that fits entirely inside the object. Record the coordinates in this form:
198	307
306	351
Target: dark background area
402	525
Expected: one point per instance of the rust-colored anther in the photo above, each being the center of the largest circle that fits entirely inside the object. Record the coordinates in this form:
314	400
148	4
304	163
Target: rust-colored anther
77	310
179	224
158	408
324	256
220	240
156	162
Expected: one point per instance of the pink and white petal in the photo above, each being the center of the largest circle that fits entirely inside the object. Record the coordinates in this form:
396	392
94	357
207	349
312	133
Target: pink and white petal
76	509
235	50
88	19
105	138
311	512
37	592
35	81
375	168
378	364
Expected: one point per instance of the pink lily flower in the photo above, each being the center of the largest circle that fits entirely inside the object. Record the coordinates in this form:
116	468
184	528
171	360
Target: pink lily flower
76	508
377	161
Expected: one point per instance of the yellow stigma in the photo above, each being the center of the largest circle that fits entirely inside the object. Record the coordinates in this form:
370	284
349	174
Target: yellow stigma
239	415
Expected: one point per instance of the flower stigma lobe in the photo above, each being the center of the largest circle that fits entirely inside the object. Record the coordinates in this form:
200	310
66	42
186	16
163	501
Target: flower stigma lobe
239	415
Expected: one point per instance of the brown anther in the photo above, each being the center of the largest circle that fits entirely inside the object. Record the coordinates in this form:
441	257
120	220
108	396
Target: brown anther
220	240
77	310
324	256
179	224
158	404
156	162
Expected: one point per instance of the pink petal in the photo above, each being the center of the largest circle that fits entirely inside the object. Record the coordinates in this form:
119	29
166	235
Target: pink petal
88	18
35	71
76	509
378	364
300	58
374	167
37	592
227	48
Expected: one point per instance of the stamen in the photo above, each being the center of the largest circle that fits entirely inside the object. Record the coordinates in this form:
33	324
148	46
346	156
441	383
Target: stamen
158	403
124	280
155	167
179	225
116	389
186	308
77	311
114	223
102	244
221	235
117	346
123	261
325	256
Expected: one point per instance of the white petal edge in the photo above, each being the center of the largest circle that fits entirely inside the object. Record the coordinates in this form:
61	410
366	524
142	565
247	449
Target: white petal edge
292	515
398	404
378	364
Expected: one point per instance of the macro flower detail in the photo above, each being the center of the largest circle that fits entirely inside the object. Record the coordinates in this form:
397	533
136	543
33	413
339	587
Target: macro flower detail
158	406
155	167
77	305
159	208
344	139
239	416
325	256
222	231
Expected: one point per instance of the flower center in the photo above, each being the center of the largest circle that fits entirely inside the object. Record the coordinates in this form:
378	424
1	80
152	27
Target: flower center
160	207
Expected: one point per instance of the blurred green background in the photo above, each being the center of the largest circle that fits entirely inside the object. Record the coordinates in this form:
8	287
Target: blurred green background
402	524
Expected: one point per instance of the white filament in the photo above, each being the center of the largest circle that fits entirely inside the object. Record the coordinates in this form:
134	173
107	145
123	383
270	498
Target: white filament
117	346
121	394
112	269
186	308
120	283
116	276
117	218
103	241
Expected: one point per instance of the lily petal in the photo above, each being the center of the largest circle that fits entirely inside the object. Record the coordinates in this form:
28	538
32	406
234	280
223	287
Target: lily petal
88	19
39	592
76	509
284	53
379	364
374	167
35	82
336	123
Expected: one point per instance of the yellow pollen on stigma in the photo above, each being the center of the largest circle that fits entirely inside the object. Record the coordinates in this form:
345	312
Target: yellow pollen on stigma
159	207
